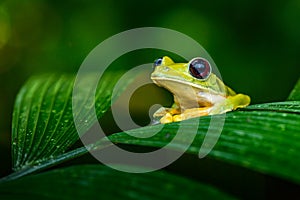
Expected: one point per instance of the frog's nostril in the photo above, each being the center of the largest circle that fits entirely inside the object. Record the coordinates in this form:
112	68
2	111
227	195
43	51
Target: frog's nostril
166	68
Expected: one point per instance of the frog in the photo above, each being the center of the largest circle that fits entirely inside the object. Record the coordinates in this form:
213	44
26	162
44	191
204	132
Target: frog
197	91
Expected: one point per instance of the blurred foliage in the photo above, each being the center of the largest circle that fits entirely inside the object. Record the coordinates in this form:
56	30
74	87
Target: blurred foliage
254	43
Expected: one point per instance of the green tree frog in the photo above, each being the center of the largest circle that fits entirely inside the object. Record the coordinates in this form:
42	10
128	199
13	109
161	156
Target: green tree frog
196	90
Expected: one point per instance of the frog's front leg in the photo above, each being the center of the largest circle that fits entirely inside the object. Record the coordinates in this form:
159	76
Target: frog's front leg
166	114
163	111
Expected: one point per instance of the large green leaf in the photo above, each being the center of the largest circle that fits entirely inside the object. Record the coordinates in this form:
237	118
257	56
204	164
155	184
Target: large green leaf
261	137
43	125
99	182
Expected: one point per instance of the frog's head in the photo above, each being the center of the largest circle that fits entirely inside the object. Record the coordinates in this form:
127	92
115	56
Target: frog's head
197	73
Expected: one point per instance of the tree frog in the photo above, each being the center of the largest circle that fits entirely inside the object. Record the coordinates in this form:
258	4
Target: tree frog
196	90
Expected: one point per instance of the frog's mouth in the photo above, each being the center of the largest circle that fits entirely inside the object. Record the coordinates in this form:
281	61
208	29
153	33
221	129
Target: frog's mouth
175	85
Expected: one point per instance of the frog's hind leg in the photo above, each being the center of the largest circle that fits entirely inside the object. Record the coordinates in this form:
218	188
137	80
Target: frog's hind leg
231	103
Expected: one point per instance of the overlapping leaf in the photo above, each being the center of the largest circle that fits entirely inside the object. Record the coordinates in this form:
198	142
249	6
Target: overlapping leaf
95	181
43	125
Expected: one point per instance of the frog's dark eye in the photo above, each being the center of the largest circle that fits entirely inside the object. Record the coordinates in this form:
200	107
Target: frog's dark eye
157	62
199	68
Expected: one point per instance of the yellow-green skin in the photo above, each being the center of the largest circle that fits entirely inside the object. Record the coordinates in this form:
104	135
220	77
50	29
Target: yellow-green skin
193	97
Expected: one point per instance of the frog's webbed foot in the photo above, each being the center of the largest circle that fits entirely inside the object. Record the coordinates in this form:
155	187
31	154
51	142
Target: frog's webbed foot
239	101
166	114
174	115
191	113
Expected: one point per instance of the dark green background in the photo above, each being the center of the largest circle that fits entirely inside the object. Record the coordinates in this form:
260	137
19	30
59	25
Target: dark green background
254	43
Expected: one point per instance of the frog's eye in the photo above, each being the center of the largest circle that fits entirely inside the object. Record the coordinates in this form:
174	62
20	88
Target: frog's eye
199	68
157	62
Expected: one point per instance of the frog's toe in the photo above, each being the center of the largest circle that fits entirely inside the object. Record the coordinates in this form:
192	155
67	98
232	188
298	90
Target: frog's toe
155	121
177	118
160	112
168	118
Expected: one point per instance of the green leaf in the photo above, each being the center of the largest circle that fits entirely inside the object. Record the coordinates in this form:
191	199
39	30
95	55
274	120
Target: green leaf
43	125
295	94
261	137
100	182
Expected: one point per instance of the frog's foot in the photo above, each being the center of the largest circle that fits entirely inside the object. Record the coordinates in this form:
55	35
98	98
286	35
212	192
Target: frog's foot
188	113
165	115
239	101
163	111
191	113
167	118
